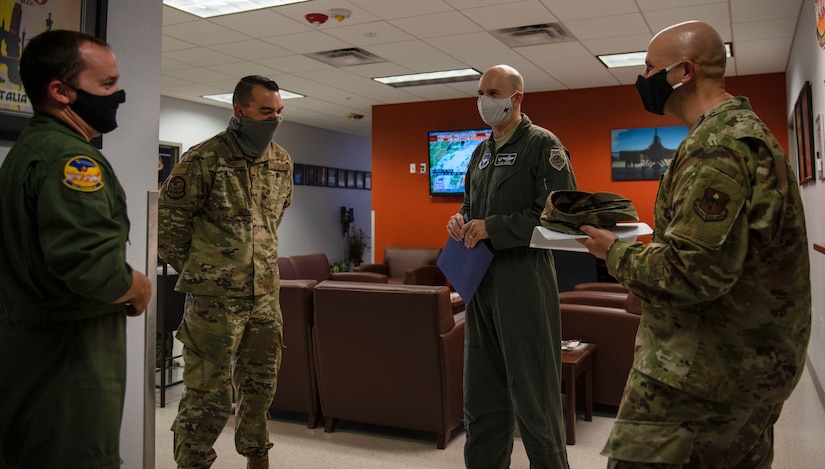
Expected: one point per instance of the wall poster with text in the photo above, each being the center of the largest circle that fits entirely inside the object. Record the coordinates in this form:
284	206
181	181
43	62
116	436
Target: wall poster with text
21	20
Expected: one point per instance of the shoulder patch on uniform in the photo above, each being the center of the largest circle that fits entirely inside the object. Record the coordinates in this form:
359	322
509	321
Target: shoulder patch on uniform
557	159
711	207
485	160
176	187
82	174
180	168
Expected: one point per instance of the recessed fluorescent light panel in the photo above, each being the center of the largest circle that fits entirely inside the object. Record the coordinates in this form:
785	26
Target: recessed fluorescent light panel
227	97
210	8
430	78
635	59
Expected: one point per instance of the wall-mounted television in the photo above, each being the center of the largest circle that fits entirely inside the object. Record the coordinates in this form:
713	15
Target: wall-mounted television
450	152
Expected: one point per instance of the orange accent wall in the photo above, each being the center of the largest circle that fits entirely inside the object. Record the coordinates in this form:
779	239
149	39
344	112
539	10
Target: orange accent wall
406	214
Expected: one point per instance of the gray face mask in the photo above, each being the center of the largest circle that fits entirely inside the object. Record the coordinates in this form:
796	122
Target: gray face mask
254	136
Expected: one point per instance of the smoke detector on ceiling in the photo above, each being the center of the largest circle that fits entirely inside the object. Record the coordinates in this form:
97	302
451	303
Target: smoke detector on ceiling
316	19
340	14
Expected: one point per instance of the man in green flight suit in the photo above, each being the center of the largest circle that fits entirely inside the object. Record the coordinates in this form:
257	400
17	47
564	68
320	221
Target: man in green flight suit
65	286
219	213
725	282
512	369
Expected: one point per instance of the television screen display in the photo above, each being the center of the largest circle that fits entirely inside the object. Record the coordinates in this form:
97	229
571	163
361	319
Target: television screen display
450	153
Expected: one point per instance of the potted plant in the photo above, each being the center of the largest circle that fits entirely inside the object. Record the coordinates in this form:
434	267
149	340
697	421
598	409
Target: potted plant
357	245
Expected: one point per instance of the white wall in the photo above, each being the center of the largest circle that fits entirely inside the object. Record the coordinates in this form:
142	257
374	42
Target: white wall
134	32
807	63
311	222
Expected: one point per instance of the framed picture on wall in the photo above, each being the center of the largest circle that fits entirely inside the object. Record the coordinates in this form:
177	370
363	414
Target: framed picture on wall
359	179
804	132
332	177
322	176
342	177
643	153
368	181
25	20
311	174
298	174
350	179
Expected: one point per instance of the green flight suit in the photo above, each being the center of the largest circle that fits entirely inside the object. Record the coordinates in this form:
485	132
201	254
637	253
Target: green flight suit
219	212
726	293
512	370
63	232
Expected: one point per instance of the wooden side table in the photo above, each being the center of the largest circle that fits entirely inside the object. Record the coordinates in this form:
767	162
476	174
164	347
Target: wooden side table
575	363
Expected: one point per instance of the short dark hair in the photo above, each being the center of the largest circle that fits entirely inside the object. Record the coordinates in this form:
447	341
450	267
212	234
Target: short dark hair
243	90
53	55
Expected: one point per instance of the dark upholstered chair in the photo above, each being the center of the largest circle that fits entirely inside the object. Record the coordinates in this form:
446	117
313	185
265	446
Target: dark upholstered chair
285	268
316	267
389	354
412	266
297	387
611	328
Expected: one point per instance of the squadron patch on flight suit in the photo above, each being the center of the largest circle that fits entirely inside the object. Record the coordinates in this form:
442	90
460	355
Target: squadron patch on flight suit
82	174
485	160
506	159
557	159
176	187
711	207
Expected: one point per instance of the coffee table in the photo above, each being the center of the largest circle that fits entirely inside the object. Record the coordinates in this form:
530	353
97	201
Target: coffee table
574	364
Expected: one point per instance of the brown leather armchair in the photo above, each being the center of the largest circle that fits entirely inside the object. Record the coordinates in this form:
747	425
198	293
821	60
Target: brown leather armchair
285	269
600	286
316	267
612	329
297	387
389	355
411	266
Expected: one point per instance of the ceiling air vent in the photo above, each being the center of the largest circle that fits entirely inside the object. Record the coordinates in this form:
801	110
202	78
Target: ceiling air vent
533	35
346	57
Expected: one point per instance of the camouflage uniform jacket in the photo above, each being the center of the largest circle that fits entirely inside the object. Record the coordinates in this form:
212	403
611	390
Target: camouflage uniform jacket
725	280
218	215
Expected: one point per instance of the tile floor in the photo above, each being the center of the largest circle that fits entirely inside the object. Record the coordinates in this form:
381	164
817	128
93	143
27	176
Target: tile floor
352	446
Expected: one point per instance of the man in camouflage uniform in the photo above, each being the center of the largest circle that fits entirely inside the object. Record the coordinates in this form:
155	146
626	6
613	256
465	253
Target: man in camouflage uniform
512	351
725	282
219	211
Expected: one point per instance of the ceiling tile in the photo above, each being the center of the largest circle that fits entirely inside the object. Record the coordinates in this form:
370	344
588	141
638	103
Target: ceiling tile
764	56
618	44
204	33
376	32
603	27
197	75
307	43
251	50
294	64
394	9
650	5
405	50
199	57
784	27
510	15
759	10
439	24
566	10
712	13
168	43
466	43
260	23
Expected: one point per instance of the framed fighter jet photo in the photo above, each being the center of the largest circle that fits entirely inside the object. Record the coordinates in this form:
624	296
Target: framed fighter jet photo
22	20
643	153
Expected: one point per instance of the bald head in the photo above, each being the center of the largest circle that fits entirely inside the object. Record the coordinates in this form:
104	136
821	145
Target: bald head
695	41
506	77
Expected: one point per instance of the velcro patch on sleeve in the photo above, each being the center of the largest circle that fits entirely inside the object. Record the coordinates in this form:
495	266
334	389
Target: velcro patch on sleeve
82	174
176	187
557	159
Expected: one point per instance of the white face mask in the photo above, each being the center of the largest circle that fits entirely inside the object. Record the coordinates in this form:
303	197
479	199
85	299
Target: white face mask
495	111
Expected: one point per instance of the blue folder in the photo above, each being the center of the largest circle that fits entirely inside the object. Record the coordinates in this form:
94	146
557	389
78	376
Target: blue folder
464	267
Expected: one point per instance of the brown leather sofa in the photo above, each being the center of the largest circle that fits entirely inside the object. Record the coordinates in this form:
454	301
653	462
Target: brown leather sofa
390	355
297	387
316	266
411	266
596	317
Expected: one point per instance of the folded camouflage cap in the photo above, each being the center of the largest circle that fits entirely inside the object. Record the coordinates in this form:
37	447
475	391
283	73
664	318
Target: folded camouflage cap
566	211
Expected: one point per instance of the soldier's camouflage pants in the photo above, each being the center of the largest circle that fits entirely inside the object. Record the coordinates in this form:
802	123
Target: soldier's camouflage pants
659	427
227	341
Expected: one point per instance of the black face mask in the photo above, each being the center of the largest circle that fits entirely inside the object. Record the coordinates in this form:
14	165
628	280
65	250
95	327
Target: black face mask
654	90
98	111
